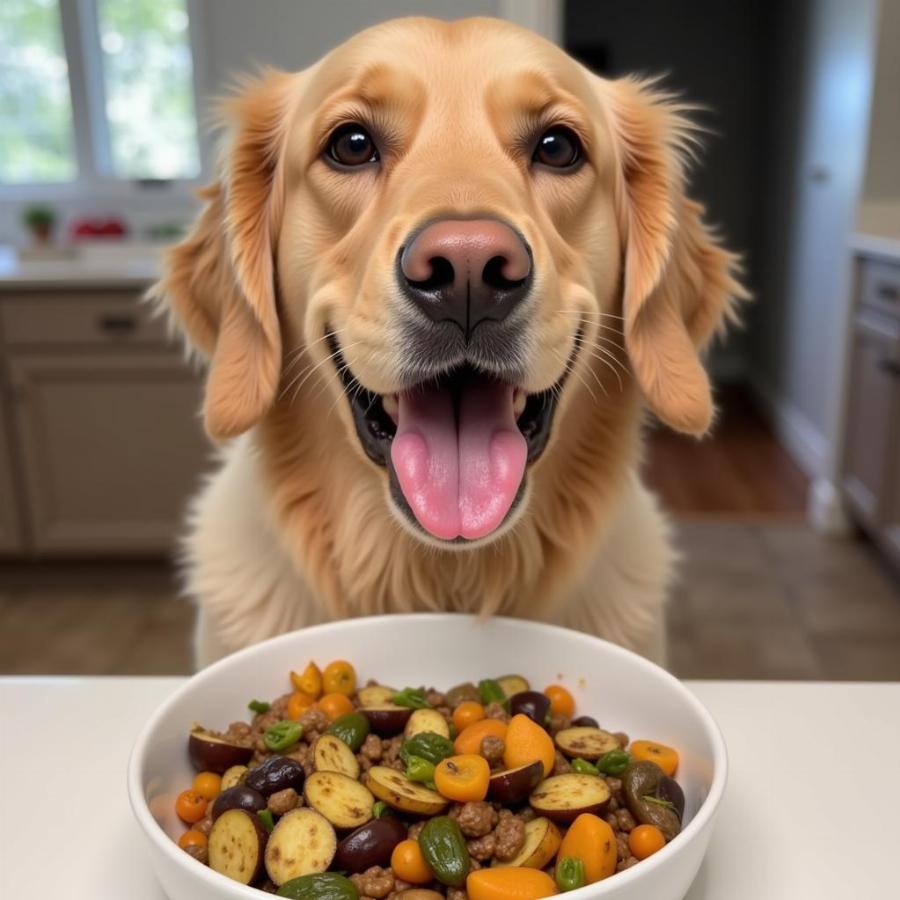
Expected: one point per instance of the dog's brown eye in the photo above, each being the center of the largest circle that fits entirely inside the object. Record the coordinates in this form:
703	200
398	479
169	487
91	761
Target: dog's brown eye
351	145
558	148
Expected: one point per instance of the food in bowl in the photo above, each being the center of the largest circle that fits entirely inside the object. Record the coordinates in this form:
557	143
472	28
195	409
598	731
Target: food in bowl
487	790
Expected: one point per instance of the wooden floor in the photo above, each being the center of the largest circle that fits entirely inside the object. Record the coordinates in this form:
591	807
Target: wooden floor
759	596
740	471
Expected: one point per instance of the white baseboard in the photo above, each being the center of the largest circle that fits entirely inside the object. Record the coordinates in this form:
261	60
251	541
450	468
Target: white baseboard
806	444
826	510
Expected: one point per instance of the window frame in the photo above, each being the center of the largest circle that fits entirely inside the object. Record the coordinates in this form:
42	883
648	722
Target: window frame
90	128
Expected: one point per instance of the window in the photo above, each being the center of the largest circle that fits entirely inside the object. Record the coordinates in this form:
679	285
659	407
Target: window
96	91
36	141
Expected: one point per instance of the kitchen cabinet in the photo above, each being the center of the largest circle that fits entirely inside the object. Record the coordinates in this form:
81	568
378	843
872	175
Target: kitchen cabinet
871	464
11	536
106	441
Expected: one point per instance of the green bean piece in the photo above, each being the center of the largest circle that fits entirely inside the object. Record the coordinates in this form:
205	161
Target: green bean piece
266	817
259	706
490	691
282	735
570	873
379	809
418	769
583	767
428	745
412	698
613	763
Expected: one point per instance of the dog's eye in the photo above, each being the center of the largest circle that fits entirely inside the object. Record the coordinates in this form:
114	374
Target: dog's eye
558	148
352	145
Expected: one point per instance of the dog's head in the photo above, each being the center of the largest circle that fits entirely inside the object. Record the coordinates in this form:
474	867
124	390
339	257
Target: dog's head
456	226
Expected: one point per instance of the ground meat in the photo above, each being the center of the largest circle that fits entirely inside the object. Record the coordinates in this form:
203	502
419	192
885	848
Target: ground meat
204	826
304	756
614	784
446	712
435	698
560	765
240	733
496	711
526	814
492	749
375	882
456	894
482	848
624	864
415	830
622	738
314	723
264	721
510	836
391	748
401	885
622	851
558	722
199	853
283	801
475	818
625	821
371	748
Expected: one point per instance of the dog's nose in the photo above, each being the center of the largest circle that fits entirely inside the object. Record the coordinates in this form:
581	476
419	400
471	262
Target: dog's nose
466	271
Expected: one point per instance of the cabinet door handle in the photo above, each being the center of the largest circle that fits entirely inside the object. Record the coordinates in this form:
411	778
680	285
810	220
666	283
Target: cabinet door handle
113	323
887	291
891	366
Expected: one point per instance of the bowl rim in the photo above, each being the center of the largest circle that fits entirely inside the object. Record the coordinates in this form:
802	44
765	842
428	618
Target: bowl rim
228	888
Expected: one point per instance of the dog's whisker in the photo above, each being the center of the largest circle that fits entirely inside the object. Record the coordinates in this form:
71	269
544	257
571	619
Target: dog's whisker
293	356
569	368
310	372
606	361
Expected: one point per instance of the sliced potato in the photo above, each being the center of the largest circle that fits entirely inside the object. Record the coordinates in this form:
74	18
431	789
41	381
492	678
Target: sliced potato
302	843
426	720
331	754
375	695
237	842
342	800
513	684
233	776
542	840
395	789
585	742
563	798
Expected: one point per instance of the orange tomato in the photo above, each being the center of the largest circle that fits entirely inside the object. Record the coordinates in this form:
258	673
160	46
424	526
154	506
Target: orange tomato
208	785
339	677
335	705
562	703
591	840
645	840
190	806
299	702
665	757
310	681
526	742
463	778
192	839
469	740
509	883
467	713
409	864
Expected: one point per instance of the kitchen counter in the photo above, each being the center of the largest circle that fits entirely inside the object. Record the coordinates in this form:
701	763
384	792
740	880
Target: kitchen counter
798	790
882	246
90	266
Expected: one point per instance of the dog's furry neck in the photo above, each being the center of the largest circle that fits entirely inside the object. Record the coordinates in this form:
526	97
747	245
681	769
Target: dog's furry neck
333	512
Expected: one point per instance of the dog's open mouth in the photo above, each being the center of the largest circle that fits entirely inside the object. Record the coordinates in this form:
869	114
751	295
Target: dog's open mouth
456	447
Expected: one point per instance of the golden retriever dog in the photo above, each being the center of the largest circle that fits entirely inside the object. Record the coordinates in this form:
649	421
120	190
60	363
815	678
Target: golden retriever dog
442	272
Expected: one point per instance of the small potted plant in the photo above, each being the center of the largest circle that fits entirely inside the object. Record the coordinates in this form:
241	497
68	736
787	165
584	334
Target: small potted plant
40	222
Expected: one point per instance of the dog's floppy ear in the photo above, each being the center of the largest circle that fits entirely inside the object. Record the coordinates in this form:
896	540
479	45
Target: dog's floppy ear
679	284
220	281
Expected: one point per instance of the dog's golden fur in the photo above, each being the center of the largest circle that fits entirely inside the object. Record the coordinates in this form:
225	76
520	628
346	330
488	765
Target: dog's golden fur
297	526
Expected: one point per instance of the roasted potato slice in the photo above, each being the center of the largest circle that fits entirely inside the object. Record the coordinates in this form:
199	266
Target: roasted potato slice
585	742
423	720
375	695
233	776
342	800
542	840
302	842
331	754
237	842
395	789
513	684
563	798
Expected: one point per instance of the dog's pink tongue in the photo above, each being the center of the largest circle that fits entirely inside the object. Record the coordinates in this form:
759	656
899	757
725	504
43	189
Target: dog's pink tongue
459	478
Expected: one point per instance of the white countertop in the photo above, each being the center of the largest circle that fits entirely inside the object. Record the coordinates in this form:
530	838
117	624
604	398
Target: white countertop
95	264
802	817
879	245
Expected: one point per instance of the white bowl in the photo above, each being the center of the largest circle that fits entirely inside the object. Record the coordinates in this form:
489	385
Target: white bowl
622	690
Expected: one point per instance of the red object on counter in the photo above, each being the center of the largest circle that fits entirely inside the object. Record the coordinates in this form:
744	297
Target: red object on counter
93	227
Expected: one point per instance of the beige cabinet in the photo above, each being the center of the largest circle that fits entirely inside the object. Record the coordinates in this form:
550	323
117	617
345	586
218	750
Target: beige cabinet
107	439
871	467
11	538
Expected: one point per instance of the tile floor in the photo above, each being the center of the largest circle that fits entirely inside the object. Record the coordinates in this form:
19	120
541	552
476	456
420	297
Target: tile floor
754	601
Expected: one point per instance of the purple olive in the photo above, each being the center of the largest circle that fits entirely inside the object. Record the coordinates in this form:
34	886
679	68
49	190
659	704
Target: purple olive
238	797
585	722
669	789
370	845
277	773
532	704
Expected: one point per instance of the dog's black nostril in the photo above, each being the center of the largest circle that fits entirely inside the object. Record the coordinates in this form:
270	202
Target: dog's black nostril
493	276
441	276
